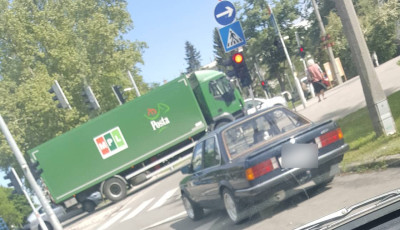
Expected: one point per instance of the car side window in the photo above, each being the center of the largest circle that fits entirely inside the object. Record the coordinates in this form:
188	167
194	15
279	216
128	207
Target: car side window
197	160
211	155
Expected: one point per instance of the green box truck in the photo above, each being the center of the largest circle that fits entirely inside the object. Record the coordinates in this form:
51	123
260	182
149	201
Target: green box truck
136	140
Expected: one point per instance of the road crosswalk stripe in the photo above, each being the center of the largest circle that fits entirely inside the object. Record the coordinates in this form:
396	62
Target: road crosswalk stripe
138	210
114	219
163	199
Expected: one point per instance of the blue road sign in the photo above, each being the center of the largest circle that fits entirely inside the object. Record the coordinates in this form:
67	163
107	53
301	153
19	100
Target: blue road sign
224	13
232	36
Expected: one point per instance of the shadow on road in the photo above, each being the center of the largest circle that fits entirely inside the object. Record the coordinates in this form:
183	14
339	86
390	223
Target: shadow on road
219	219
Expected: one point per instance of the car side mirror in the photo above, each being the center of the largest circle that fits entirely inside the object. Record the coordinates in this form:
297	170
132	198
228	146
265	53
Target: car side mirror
259	105
187	169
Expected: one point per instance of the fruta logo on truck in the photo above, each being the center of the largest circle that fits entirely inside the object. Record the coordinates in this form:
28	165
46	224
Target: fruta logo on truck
110	143
158	120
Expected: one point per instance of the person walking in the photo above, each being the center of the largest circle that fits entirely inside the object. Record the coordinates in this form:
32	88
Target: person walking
316	76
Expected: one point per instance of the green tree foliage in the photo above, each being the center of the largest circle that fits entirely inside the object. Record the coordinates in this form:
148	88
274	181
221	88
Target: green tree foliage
263	45
13	208
219	51
76	42
192	58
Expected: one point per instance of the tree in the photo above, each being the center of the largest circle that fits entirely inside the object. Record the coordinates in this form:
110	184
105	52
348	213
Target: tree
13	208
192	58
76	42
219	51
263	44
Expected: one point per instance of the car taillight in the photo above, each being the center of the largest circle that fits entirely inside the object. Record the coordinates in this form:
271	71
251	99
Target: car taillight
329	138
261	168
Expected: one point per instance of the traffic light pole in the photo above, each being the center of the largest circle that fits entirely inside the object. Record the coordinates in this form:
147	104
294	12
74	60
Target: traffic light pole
39	218
305	66
28	175
296	80
133	83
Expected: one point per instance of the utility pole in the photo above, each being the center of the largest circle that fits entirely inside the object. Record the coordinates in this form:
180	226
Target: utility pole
334	67
378	107
28	175
296	80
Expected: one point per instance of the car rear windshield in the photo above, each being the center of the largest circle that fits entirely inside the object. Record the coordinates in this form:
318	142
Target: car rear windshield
260	129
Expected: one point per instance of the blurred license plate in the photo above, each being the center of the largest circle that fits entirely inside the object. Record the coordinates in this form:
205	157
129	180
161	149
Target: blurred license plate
334	170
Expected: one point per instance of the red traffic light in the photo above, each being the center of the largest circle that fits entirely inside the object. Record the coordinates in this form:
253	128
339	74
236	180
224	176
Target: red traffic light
301	49
263	83
237	58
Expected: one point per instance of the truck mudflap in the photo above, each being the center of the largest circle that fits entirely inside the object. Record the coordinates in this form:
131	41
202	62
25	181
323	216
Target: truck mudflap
288	174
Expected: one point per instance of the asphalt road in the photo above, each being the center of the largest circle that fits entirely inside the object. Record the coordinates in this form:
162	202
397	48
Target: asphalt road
158	206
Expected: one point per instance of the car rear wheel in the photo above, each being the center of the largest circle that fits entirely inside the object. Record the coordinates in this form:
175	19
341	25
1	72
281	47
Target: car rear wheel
232	206
114	189
193	211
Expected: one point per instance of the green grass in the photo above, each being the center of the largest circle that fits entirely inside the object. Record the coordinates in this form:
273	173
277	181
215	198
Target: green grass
364	145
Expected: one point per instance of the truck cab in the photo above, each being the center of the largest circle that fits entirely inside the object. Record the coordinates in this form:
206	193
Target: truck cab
219	100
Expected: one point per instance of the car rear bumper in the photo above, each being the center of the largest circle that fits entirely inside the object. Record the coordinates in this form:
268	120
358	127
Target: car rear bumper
282	181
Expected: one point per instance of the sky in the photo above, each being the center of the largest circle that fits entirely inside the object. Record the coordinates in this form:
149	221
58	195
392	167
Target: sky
165	26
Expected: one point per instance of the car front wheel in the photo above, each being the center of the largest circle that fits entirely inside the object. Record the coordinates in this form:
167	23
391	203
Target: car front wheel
193	211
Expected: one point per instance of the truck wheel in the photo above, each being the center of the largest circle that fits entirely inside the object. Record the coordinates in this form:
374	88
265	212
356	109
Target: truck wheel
88	206
232	206
114	189
193	210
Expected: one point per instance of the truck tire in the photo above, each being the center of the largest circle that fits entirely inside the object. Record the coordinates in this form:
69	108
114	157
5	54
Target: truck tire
232	207
88	206
193	211
114	189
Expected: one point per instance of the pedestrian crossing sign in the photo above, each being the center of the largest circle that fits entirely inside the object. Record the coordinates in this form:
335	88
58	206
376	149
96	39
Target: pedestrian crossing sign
232	36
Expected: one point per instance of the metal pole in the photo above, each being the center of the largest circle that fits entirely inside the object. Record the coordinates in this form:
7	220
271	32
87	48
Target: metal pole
134	84
259	77
252	97
336	73
38	217
28	175
296	81
378	107
305	66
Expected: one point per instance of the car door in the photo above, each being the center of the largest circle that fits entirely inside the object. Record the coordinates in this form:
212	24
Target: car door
193	184
210	175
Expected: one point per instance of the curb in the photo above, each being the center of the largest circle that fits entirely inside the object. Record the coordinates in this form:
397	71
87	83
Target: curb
392	161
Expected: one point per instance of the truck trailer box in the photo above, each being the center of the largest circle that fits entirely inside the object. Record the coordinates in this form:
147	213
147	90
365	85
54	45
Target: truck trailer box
119	139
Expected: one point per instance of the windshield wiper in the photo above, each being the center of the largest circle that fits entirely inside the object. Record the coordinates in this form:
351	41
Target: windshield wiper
339	216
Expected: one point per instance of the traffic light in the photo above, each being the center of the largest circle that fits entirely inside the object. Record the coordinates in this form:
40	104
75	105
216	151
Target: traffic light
119	93
90	99
240	68
36	172
59	96
15	182
264	85
302	53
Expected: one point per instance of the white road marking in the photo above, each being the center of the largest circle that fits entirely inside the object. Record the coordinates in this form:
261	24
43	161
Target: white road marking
137	210
114	219
177	216
163	199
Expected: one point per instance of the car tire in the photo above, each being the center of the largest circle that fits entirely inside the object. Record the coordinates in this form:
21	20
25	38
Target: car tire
48	225
114	189
88	206
232	206
324	181
193	211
